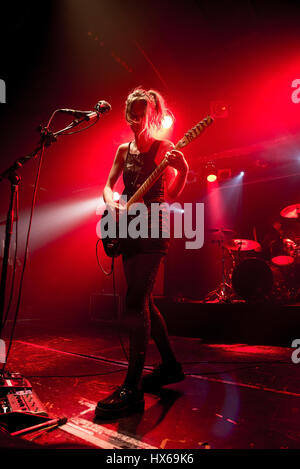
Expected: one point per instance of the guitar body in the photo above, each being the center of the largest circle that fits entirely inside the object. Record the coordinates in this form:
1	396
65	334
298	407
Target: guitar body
112	245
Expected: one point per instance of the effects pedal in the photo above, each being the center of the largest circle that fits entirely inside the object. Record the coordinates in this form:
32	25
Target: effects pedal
13	382
22	401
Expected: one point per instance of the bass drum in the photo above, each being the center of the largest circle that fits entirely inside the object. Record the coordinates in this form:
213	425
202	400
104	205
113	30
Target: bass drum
252	279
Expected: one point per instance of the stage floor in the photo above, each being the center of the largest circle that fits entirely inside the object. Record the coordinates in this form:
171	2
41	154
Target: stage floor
234	395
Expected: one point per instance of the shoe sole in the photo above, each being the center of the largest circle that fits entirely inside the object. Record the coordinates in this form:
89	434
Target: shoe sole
109	413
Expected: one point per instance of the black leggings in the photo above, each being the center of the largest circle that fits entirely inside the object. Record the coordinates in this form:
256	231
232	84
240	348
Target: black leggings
142	318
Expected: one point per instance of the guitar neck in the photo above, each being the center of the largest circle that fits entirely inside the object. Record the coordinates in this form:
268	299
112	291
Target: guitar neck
146	186
188	138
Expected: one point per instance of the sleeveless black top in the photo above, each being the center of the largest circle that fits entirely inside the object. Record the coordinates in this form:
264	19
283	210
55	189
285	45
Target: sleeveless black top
137	168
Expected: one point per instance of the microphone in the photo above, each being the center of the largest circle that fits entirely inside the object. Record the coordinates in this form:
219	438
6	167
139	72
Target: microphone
100	108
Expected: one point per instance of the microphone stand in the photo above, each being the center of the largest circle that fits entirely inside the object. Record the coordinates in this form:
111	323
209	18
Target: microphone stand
11	382
46	139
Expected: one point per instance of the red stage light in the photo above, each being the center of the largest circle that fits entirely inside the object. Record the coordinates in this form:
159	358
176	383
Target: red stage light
218	109
167	122
211	178
210	172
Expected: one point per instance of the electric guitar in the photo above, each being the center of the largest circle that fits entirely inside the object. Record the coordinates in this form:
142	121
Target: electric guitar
113	245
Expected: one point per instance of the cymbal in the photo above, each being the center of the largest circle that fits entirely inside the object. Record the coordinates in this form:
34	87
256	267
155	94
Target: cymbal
245	245
221	235
291	211
222	232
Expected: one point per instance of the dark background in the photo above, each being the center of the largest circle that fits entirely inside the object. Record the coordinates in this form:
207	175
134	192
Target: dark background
72	53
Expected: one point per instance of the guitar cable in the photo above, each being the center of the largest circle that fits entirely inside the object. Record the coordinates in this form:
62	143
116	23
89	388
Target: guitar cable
112	262
112	272
14	264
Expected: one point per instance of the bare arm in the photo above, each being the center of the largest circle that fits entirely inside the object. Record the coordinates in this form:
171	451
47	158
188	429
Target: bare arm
176	172
114	174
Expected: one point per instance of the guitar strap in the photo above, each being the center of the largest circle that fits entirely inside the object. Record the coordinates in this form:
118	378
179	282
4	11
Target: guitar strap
151	153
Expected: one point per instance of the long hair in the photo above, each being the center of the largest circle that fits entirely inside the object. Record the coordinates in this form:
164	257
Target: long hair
155	110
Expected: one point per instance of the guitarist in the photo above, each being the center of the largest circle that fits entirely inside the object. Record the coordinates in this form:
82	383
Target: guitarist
144	111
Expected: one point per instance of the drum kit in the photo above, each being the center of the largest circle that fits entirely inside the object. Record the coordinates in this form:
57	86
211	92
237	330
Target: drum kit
254	272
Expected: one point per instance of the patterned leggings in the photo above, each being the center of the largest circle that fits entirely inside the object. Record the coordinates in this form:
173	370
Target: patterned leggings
142	317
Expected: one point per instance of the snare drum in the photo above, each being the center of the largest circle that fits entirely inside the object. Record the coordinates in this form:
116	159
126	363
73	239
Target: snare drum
283	253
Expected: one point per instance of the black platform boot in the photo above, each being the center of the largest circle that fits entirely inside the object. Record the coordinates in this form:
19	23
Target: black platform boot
122	401
162	375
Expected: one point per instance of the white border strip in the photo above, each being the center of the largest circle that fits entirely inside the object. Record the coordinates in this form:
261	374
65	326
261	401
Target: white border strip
101	436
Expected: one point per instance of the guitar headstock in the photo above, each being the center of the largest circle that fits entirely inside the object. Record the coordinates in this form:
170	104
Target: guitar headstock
194	132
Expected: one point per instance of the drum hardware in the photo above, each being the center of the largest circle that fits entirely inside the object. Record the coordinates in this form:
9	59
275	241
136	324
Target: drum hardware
284	256
248	278
285	267
222	236
224	293
255	275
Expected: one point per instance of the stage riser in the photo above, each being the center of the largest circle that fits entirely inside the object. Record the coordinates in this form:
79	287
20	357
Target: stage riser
263	324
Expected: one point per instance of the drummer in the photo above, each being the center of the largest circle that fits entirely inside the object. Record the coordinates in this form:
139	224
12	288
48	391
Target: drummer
272	243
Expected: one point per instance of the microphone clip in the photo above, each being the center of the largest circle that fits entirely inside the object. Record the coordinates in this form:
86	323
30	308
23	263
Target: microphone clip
47	137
